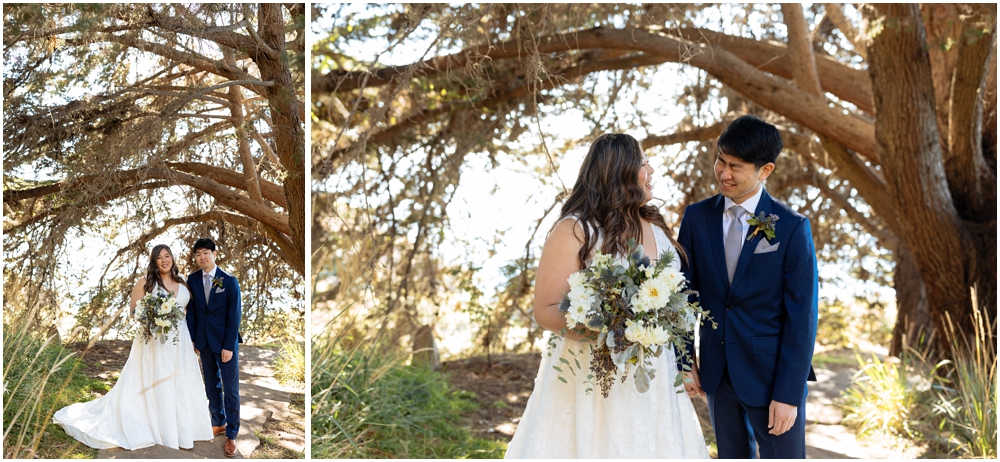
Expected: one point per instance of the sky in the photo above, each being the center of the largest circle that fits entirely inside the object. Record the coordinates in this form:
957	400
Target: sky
510	197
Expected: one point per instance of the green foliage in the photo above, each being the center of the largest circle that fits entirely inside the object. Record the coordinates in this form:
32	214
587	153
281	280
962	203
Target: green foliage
290	367
40	378
368	403
888	397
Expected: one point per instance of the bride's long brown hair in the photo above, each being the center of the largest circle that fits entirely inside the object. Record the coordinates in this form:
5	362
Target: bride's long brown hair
153	273
607	196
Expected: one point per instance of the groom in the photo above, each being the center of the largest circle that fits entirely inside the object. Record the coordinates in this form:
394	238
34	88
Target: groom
757	277
213	317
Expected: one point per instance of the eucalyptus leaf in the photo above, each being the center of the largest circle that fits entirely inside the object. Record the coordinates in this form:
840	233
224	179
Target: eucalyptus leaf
642	379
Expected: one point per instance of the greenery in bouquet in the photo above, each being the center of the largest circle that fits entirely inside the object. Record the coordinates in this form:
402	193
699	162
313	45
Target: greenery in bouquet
158	315
637	310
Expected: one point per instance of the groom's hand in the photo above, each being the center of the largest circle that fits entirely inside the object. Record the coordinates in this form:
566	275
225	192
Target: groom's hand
692	383
226	356
781	416
195	349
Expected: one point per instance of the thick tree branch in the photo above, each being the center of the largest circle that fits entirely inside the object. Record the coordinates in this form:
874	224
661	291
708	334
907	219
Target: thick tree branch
803	60
972	183
221	35
804	70
943	27
770	92
693	134
849	84
242	141
321	167
204	183
235	201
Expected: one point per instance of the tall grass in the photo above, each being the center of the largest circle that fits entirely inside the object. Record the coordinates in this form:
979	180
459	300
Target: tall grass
39	378
950	404
367	402
967	403
886	397
290	365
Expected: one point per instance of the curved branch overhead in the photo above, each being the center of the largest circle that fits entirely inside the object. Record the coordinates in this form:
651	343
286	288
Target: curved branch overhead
187	85
843	81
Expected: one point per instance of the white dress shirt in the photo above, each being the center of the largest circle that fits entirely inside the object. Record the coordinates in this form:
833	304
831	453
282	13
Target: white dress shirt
750	205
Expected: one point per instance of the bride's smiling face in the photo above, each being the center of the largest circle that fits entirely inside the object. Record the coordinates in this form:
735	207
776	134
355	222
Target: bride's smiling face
646	179
164	261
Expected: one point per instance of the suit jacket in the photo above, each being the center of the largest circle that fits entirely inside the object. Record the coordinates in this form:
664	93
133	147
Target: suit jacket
214	322
767	316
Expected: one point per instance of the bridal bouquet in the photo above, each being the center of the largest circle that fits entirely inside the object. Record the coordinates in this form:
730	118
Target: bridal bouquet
158	315
637	309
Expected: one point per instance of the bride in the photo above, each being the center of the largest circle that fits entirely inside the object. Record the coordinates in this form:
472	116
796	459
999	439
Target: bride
159	397
606	208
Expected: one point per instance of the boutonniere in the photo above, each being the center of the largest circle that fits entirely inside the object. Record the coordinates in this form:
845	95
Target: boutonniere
217	282
762	223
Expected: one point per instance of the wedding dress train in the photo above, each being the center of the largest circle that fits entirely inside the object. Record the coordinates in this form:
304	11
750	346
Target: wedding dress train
562	420
159	398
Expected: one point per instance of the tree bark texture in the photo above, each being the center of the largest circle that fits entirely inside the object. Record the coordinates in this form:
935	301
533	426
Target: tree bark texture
946	251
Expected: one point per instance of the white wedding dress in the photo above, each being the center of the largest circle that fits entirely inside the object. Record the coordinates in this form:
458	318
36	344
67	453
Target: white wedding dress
562	420
159	398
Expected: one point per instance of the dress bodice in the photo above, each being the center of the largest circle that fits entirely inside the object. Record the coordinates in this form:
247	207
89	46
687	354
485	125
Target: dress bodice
182	296
659	237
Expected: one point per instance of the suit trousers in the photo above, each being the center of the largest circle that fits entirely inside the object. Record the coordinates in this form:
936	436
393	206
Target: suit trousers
222	385
741	430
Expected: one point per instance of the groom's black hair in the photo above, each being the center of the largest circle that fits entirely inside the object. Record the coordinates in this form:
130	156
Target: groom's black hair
752	140
204	243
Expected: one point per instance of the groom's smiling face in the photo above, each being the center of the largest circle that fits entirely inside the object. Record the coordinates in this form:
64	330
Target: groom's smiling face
205	259
739	179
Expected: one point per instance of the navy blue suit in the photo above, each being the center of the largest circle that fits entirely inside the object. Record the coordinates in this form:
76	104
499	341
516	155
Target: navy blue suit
762	349
214	326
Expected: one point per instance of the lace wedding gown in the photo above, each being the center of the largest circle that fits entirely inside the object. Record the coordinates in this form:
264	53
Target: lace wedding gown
562	420
159	398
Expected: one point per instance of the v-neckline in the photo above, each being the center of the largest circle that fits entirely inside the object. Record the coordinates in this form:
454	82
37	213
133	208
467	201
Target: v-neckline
656	245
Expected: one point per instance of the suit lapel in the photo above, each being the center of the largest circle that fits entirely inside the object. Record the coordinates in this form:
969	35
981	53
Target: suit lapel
714	225
748	246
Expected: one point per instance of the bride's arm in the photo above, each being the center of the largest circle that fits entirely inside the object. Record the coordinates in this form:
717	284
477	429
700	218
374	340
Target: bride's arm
559	260
137	292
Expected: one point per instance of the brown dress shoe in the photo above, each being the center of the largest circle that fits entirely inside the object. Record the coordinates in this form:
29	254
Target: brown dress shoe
230	449
216	431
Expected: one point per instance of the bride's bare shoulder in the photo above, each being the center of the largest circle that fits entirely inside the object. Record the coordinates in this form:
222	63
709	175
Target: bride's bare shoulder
566	228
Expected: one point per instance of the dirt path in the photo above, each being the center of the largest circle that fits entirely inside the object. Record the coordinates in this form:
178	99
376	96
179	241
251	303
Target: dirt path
503	388
272	414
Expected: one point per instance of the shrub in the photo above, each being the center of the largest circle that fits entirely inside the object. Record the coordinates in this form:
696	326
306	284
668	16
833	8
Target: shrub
366	402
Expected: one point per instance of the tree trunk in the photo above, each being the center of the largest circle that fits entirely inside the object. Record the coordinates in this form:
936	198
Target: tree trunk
913	321
949	255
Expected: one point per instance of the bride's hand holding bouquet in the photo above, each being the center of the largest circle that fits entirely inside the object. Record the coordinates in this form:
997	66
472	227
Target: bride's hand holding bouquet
635	310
